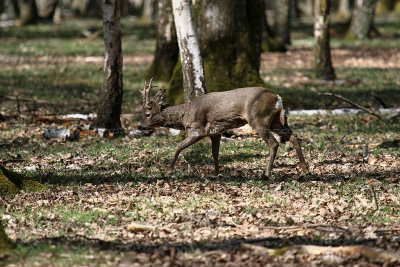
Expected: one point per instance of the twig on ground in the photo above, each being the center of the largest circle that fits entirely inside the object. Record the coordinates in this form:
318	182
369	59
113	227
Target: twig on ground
349	251
93	35
353	104
379	100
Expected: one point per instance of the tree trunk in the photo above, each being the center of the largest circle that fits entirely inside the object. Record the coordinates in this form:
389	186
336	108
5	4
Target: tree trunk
283	20
27	11
230	33
269	42
136	7
1	6
46	8
385	6
307	8
167	50
109	110
194	83
5	242
149	11
323	63
344	9
87	8
362	20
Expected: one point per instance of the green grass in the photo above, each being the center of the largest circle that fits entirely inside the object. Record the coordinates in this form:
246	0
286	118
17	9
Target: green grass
134	170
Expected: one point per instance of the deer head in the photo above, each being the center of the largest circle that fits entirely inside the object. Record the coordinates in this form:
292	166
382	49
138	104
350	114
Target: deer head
152	106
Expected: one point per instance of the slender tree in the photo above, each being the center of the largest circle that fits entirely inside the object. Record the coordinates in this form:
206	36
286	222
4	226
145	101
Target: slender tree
167	50
27	11
269	42
362	20
283	20
109	110
323	63
344	9
149	11
194	83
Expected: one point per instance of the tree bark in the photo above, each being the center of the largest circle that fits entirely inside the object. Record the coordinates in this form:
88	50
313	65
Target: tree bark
344	9
167	49
85	8
230	34
362	20
385	6
323	63
109	110
1	6
149	11
283	20
46	8
27	11
269	42
194	83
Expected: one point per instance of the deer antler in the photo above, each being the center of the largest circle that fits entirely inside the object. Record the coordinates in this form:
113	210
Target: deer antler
146	90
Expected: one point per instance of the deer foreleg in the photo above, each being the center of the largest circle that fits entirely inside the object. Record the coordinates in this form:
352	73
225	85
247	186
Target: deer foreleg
215	140
190	140
295	141
273	144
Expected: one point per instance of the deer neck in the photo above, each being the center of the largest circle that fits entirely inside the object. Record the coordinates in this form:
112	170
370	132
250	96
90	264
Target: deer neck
171	116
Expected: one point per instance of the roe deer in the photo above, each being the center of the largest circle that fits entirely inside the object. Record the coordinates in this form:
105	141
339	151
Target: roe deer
213	113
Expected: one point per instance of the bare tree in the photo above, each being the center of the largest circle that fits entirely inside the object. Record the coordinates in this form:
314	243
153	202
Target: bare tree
167	50
323	63
109	110
362	20
194	83
344	8
149	11
27	11
283	20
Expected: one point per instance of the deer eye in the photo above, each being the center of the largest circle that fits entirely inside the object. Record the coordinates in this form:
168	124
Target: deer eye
148	115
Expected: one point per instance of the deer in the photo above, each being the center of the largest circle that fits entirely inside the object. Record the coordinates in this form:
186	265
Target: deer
211	114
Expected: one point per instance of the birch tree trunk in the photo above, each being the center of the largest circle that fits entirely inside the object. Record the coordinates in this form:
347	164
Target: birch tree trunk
323	63
362	20
283	20
194	83
167	50
109	110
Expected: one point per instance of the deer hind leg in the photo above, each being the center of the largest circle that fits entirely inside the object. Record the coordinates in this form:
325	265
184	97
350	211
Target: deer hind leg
215	140
273	144
190	140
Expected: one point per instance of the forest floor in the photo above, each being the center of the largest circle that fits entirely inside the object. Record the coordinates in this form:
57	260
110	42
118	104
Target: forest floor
111	202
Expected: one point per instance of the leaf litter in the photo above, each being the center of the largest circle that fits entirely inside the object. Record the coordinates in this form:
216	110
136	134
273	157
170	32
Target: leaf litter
114	196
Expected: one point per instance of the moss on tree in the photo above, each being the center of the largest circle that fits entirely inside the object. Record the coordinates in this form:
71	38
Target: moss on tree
5	242
11	183
230	45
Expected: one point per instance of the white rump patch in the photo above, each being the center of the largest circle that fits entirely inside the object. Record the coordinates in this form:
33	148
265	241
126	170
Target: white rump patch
279	104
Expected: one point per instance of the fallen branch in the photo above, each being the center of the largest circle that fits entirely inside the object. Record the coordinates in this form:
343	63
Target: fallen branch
349	251
353	104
